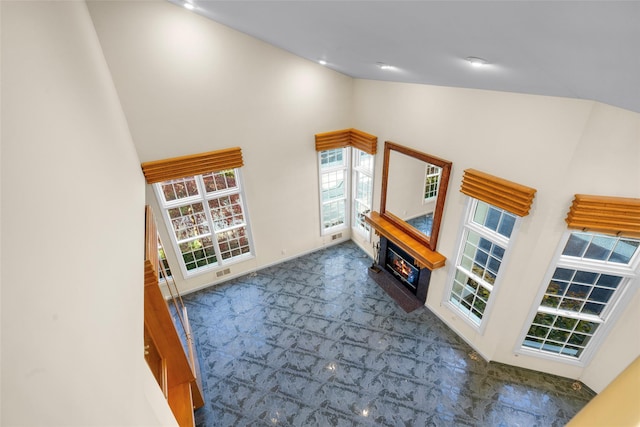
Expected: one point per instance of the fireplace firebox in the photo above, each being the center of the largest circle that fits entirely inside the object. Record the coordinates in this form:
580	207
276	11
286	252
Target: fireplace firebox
400	264
400	275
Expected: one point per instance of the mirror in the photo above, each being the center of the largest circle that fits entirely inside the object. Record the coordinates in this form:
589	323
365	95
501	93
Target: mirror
414	188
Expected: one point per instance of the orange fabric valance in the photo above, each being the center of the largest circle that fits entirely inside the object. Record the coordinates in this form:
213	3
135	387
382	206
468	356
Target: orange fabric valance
507	195
347	138
611	215
194	164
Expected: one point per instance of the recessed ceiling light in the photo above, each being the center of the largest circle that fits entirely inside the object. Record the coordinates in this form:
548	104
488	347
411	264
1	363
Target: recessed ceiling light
477	62
384	66
322	62
189	6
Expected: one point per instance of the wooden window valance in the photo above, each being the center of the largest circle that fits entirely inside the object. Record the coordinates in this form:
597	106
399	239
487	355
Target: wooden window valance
347	138
194	164
507	195
610	215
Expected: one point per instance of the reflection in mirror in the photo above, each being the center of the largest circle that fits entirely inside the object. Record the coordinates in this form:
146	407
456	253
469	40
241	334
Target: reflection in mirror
414	188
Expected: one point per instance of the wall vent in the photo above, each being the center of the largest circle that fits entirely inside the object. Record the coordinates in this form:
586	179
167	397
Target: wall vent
223	272
336	236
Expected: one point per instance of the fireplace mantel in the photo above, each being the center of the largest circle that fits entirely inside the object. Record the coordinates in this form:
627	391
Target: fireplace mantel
422	254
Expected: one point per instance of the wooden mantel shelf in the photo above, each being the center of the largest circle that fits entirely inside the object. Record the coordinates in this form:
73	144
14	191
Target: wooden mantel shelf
422	254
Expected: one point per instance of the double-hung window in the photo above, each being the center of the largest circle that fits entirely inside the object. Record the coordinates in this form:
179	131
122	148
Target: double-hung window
206	216
362	190
486	235
345	169
582	291
338	168
431	182
334	188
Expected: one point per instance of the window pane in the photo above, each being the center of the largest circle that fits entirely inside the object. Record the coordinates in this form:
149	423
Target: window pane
363	160
590	246
226	212
609	281
563	273
189	221
469	296
361	210
332	158
222	180
233	243
198	253
624	251
586	291
576	244
506	225
432	179
179	188
363	186
587	277
333	214
481	213
333	185
600	248
493	218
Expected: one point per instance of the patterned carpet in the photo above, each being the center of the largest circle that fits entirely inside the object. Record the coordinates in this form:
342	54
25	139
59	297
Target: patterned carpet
315	342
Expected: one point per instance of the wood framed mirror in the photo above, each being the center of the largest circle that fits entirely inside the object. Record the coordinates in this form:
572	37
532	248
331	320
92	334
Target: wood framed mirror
414	188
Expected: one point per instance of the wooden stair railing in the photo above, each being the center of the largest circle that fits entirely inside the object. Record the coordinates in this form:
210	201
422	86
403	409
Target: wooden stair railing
176	371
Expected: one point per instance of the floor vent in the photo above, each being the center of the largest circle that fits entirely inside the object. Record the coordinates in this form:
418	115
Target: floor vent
223	272
336	236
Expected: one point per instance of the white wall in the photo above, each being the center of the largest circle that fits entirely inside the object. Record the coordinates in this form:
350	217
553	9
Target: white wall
190	85
559	147
72	231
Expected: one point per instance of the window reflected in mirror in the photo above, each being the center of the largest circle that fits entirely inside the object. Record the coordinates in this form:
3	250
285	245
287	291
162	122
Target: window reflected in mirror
414	189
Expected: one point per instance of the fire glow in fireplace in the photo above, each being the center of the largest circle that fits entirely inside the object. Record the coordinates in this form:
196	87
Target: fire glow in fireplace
401	266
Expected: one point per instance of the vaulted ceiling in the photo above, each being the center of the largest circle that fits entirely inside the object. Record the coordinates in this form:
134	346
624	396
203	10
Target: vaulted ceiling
576	49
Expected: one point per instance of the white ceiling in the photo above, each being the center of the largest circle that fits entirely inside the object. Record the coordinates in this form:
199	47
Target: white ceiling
577	49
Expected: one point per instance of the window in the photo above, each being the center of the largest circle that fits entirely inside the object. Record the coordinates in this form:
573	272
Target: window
362	190
334	188
581	293
485	238
164	271
207	216
336	197
431	182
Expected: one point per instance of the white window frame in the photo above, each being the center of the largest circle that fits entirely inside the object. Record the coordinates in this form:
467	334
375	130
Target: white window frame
468	225
204	197
363	229
428	175
613	309
345	167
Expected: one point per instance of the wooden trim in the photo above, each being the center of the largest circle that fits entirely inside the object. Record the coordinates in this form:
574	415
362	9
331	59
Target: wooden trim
422	254
364	141
180	384
432	240
194	164
610	215
150	244
334	139
499	192
347	138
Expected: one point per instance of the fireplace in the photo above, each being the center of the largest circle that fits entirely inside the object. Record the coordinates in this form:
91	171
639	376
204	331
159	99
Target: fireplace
400	275
400	265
